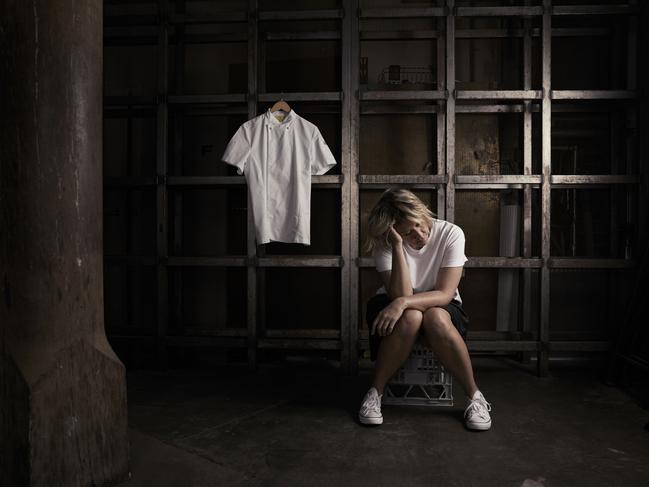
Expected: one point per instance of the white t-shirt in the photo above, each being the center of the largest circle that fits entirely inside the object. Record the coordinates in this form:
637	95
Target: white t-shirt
444	248
277	160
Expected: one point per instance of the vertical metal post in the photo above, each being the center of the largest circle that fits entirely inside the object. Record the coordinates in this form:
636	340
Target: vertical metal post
441	111
161	187
349	190
546	150
131	314
450	111
261	250
253	16
179	120
632	166
527	169
261	74
129	140
642	52
573	203
616	131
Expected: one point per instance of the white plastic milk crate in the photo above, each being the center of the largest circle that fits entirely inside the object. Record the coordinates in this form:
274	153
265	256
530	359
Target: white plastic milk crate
421	381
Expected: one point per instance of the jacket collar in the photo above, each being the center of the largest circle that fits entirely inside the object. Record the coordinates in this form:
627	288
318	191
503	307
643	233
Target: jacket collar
272	120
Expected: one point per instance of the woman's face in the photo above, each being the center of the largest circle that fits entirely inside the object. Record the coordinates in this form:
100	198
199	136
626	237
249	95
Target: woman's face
414	234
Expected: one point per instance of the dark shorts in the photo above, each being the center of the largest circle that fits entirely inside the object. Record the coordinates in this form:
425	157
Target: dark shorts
379	301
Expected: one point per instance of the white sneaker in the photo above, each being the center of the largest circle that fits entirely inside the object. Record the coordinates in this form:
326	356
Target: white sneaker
370	412
476	415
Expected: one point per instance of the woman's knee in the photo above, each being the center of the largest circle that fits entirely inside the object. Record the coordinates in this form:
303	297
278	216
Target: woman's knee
437	323
410	322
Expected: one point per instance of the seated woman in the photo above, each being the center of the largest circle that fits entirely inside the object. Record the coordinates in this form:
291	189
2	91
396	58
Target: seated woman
420	261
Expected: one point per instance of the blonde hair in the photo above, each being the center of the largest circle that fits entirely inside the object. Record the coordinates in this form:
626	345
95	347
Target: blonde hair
395	204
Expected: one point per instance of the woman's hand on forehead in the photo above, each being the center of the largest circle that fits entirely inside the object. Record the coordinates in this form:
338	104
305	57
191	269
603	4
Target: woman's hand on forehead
394	236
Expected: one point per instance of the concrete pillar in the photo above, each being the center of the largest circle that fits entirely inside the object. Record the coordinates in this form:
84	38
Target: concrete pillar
63	414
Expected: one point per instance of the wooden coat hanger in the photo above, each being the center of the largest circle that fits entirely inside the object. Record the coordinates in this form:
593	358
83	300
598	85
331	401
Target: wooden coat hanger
280	105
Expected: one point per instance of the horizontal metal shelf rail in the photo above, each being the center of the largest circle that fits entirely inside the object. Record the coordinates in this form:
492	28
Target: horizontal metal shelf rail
131	260
303	36
431	180
496	11
402	95
302	333
324	181
192	261
533	263
198	330
485	96
506	346
498	95
324	14
365	262
321	96
116	39
224	17
198	99
268	261
401	13
300	344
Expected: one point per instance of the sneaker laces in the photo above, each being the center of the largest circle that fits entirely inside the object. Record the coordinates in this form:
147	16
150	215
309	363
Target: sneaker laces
480	407
373	402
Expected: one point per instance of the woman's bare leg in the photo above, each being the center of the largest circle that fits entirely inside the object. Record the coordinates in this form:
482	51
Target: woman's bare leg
395	348
449	347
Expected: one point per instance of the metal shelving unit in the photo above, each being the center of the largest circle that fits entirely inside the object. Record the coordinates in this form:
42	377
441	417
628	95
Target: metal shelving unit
444	102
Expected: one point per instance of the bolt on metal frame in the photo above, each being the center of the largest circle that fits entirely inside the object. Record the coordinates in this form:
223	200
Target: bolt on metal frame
347	340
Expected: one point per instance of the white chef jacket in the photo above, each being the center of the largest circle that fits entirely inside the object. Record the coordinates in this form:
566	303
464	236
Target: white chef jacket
277	160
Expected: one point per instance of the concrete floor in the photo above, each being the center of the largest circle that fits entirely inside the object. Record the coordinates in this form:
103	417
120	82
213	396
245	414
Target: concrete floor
296	426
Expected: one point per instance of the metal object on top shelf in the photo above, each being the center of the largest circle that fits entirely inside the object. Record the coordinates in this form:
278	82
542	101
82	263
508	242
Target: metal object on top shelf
407	76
